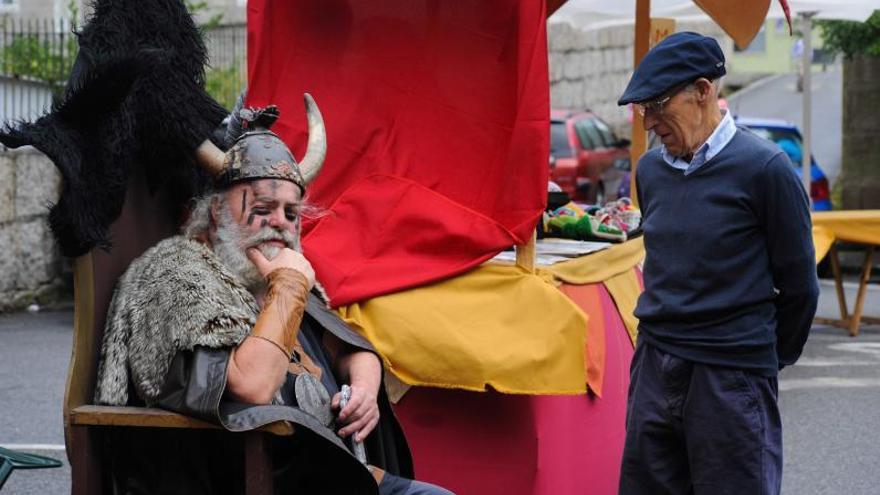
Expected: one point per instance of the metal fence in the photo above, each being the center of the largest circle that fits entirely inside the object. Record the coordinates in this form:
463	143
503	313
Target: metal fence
226	75
36	56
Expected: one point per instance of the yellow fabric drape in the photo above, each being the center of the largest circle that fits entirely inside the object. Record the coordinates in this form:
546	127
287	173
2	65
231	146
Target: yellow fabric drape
497	326
861	226
625	289
599	266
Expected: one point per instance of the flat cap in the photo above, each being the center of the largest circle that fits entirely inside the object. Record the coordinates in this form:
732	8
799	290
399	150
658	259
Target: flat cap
677	59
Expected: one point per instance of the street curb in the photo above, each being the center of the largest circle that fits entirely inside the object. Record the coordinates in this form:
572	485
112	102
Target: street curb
849	285
755	85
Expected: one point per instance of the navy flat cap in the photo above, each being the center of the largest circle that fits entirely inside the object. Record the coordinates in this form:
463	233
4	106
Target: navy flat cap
679	58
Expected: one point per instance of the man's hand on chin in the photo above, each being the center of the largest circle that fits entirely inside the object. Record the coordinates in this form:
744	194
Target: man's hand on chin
286	258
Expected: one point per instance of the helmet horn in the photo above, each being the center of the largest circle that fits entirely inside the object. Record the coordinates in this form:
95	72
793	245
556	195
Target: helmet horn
313	160
212	158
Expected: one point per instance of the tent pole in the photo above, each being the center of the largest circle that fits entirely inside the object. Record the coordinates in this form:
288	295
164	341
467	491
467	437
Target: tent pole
806	147
640	47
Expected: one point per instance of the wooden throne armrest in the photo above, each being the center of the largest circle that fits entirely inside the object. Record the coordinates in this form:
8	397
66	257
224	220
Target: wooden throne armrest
148	417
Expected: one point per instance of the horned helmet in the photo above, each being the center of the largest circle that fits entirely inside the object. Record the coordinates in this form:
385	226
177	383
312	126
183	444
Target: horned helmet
260	154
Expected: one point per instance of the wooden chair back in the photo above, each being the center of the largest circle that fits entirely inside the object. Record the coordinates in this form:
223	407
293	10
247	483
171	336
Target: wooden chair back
145	220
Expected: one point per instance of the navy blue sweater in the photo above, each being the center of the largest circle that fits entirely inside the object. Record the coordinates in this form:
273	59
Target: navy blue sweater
730	274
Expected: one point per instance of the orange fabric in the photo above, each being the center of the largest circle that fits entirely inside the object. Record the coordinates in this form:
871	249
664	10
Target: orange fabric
586	297
741	20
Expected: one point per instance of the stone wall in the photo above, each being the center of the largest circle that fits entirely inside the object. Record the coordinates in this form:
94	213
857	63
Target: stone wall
589	67
30	263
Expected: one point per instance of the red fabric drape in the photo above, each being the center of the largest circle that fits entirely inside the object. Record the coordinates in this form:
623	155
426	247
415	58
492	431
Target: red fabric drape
437	124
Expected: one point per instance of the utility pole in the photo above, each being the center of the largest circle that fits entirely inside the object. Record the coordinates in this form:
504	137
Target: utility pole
807	124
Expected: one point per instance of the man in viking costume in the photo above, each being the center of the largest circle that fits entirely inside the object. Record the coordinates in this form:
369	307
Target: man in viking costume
225	322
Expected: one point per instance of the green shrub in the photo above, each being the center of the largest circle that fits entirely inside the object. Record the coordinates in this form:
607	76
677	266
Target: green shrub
852	38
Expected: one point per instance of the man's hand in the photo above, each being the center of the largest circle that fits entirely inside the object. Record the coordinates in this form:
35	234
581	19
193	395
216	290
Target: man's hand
286	258
361	415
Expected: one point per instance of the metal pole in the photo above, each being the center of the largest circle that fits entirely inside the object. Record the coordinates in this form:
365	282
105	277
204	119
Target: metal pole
806	148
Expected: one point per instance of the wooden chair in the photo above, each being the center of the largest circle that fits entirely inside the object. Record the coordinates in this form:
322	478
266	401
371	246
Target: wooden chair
145	220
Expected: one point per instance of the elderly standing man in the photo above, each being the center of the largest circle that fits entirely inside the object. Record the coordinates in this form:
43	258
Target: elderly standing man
730	286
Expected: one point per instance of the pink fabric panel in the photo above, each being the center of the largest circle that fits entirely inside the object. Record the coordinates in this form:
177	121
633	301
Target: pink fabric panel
582	437
488	443
471	443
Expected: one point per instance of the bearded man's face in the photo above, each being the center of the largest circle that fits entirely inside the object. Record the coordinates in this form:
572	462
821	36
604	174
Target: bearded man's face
262	213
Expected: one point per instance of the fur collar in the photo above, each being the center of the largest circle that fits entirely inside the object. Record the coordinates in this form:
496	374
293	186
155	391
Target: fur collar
175	297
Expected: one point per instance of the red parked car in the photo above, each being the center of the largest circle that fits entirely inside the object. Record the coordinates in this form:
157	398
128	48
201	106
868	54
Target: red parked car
586	159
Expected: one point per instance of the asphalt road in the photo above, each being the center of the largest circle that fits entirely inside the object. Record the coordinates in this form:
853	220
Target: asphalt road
777	98
829	401
34	354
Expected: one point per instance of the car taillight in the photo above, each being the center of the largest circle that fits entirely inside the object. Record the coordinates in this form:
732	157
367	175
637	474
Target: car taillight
819	189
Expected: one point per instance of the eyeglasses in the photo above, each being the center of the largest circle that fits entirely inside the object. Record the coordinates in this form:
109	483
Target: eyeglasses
656	106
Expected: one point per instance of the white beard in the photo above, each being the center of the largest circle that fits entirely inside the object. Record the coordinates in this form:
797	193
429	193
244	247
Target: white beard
231	241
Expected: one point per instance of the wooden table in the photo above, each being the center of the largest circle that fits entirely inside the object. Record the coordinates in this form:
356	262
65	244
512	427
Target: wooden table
860	227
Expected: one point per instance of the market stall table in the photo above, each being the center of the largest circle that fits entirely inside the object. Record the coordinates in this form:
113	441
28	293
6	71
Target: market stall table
558	343
856	227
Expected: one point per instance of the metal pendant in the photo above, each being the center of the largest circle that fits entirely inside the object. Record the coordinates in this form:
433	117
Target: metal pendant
313	398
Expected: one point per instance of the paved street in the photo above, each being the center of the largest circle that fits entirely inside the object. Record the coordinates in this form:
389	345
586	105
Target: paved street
776	98
34	354
829	403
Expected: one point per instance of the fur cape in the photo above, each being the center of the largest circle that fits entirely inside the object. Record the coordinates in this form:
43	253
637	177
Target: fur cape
175	297
135	105
178	297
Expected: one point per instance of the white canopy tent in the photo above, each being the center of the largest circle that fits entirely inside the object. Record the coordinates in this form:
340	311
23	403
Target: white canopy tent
584	13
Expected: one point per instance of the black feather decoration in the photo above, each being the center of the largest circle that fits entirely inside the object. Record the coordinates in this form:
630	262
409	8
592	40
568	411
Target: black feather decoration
135	101
259	118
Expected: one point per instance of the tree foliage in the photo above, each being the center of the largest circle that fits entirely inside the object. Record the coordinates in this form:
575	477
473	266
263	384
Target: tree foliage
196	8
225	84
39	58
851	38
47	56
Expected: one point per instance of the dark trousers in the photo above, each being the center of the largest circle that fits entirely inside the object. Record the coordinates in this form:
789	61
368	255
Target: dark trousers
698	429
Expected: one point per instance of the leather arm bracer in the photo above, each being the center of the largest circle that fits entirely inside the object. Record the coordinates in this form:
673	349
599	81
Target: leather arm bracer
283	309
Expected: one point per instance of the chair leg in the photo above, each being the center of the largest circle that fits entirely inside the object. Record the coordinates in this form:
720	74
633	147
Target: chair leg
257	464
85	463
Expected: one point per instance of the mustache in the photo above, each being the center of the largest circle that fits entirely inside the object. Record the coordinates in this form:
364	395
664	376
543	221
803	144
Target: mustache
267	234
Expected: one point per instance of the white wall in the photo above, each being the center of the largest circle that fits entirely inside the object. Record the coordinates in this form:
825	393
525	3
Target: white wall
30	262
589	68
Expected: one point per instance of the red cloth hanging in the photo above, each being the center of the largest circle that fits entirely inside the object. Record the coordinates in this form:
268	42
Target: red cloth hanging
437	117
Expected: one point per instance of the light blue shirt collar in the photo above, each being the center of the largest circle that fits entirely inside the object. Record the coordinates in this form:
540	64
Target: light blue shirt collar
719	138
